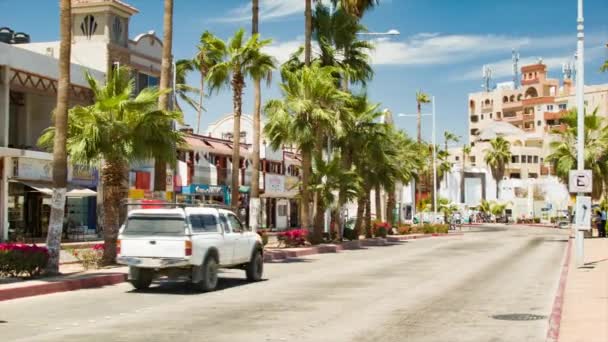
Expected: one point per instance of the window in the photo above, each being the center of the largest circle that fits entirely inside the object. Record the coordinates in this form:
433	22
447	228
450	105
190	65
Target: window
157	225
481	116
523	159
472	159
563	106
205	223
539	123
529	159
235	224
144	81
88	26
549	107
498	115
514	159
535	159
457	158
490	115
532	175
224	223
515	176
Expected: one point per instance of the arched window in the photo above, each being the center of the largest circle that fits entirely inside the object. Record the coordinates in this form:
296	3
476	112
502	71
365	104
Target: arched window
472	107
512	99
531	93
487	102
505	99
519	97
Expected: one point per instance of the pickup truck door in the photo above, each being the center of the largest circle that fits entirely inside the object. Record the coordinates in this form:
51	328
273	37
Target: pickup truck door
230	240
241	246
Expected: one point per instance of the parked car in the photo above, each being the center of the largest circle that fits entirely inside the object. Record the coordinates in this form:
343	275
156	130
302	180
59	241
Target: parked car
188	241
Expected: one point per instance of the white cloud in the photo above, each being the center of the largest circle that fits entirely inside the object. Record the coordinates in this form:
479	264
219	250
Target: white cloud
269	9
283	50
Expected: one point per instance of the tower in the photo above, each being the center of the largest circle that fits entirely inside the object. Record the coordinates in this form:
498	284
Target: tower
486	72
101	21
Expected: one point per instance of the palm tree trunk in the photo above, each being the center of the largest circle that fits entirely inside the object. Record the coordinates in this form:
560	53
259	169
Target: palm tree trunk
464	164
307	32
305	198
237	98
368	213
419	123
390	207
379	216
200	105
346	165
360	212
160	168
60	158
254	201
113	177
255	10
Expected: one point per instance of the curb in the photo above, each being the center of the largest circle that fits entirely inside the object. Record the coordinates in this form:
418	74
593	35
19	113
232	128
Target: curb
62	286
556	313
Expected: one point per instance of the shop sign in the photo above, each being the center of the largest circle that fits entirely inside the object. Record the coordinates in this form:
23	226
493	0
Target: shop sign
34	169
291	183
209	190
84	175
274	183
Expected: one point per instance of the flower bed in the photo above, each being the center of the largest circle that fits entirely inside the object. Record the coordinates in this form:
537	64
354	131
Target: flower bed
380	229
293	237
424	229
18	260
89	257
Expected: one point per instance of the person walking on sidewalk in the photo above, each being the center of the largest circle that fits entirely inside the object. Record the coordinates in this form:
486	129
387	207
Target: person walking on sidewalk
602	227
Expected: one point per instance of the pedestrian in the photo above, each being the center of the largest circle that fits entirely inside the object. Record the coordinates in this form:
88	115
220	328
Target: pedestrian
602	228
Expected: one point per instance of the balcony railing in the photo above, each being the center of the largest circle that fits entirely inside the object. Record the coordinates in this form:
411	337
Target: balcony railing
554	116
538	100
556	128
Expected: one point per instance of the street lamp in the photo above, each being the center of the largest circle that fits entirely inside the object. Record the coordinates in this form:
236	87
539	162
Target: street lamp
434	143
580	104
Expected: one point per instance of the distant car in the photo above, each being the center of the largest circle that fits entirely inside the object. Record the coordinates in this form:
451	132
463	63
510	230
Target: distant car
190	241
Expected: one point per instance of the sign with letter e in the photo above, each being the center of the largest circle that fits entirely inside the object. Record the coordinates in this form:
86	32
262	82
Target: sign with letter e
580	181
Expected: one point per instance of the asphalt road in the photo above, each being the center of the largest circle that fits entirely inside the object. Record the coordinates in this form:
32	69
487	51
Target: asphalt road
477	287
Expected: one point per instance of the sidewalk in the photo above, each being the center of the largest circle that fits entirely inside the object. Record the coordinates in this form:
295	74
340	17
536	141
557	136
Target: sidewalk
585	308
72	278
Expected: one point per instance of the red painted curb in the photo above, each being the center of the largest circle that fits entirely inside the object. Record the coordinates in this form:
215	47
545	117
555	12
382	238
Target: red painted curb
556	313
62	286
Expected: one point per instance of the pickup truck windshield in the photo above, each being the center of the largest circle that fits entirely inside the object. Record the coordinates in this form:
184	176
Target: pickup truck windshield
155	225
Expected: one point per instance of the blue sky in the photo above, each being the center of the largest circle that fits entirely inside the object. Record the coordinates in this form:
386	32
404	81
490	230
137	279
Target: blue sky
441	49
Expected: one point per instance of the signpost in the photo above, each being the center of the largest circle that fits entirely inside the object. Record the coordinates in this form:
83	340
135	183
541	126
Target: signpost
580	181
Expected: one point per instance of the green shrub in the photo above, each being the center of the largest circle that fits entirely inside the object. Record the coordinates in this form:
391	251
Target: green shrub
428	228
89	257
442	228
380	229
22	260
350	234
405	229
537	220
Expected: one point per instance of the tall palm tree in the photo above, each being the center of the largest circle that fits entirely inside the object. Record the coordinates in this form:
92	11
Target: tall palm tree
356	7
210	52
563	150
605	66
262	69
497	157
119	130
466	151
60	166
243	58
421	98
449	136
184	91
160	168
310	100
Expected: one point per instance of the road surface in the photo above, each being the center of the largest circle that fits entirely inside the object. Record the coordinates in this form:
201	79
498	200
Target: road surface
490	285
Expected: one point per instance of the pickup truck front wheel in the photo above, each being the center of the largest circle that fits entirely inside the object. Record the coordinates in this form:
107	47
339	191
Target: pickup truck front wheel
208	280
143	278
255	267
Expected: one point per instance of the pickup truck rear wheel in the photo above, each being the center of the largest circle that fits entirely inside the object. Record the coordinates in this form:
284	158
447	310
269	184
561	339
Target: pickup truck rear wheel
255	268
209	275
143	279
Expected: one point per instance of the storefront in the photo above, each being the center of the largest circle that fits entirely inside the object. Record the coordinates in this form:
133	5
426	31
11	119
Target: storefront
277	203
29	198
203	193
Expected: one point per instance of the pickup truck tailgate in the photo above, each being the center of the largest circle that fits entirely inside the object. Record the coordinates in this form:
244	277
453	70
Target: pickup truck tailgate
159	247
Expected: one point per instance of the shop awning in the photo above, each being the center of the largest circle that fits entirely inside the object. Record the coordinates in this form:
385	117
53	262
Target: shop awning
73	191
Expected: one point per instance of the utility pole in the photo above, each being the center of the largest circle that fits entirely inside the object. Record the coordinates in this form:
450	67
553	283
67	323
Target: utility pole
434	164
580	104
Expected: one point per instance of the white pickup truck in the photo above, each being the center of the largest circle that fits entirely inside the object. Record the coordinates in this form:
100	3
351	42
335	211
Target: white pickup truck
188	241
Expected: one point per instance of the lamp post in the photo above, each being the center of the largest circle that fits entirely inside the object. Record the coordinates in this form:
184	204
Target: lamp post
434	147
580	104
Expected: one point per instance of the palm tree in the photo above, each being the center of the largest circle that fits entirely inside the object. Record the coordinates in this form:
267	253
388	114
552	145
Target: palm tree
466	151
182	89
241	59
310	101
447	208
421	98
60	167
498	209
485	207
449	136
160	168
605	66
497	158
356	7
211	51
563	150
118	129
